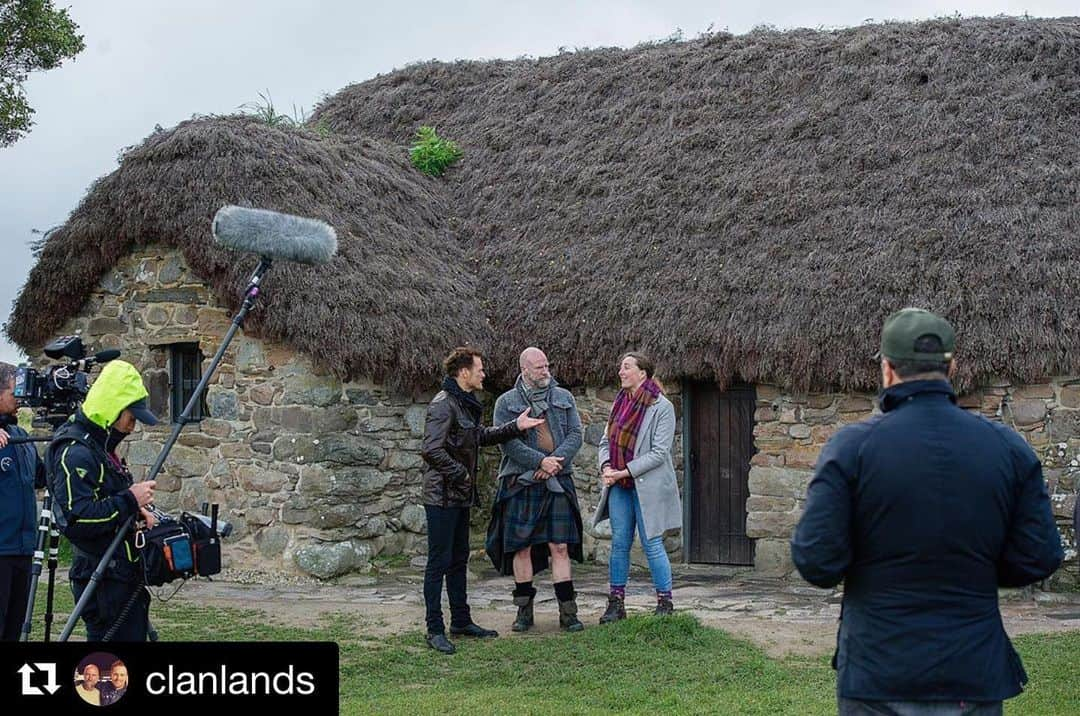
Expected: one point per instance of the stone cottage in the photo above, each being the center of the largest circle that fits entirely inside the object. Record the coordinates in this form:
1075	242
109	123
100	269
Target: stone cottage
746	209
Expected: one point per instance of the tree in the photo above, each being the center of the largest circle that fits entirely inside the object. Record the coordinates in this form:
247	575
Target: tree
33	36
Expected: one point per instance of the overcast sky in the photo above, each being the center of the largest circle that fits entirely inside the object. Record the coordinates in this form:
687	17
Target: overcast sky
151	62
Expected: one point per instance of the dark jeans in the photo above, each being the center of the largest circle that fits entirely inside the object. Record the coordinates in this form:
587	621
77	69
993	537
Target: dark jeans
857	707
14	591
105	607
448	556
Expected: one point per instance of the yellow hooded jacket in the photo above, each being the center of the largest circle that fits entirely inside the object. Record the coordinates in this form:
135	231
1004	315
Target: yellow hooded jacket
118	386
91	495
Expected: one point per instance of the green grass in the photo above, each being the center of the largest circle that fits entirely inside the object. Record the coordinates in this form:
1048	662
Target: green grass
641	665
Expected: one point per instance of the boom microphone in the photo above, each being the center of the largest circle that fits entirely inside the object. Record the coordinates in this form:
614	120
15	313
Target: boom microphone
273	235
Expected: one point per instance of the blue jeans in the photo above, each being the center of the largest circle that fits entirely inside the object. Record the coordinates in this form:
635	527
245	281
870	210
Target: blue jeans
624	509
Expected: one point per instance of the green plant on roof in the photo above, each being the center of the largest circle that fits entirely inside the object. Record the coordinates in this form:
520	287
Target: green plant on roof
432	154
265	111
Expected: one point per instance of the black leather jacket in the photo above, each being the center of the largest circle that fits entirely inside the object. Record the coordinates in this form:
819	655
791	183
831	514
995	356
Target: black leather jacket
452	442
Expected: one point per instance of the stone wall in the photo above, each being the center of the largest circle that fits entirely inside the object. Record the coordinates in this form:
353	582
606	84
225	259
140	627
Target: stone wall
312	472
790	431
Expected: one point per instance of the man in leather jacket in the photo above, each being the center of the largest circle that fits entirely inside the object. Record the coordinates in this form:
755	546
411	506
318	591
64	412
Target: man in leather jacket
453	436
94	494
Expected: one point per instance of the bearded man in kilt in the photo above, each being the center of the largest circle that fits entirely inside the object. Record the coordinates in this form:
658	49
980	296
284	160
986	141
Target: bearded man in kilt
536	513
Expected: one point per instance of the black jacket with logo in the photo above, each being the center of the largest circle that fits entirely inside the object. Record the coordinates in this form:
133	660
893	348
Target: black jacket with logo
91	499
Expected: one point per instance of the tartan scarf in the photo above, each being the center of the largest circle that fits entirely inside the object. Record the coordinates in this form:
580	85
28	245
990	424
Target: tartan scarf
626	416
535	398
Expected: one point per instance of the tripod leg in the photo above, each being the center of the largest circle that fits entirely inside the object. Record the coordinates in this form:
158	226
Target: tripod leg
44	526
54	550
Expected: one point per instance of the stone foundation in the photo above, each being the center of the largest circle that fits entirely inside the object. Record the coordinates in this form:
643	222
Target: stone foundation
314	473
790	431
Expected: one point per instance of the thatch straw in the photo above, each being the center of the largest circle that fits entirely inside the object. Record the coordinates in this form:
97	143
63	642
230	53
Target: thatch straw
754	206
398	292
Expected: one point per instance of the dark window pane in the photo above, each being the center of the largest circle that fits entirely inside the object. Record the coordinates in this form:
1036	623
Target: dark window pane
185	372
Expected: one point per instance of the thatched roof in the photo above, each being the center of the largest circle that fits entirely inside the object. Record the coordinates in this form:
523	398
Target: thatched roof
756	205
738	206
382	307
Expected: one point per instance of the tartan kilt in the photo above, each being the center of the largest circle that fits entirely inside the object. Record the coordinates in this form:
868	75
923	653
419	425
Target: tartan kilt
532	515
536	515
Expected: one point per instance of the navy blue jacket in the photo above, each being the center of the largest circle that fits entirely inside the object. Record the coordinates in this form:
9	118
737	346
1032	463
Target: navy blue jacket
924	511
21	470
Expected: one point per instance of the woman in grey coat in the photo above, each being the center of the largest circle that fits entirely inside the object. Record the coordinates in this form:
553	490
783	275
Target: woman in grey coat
640	490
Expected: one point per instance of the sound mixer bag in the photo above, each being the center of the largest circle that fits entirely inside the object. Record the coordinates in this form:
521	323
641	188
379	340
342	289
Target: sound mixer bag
179	549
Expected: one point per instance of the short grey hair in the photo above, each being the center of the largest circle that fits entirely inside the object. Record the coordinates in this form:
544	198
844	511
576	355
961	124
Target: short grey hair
7	374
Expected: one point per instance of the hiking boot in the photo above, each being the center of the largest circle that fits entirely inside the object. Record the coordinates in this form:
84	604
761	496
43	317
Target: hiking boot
664	607
568	616
474	630
440	643
616	610
524	619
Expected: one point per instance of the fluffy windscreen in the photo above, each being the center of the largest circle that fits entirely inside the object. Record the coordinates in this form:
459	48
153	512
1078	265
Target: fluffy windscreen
274	235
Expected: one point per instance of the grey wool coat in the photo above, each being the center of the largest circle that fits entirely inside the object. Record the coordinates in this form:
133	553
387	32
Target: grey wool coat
653	471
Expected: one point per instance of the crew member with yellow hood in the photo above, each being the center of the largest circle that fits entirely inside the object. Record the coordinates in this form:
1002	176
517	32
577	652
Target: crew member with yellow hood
94	494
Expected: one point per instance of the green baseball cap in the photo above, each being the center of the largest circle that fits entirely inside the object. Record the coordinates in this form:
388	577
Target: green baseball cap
903	328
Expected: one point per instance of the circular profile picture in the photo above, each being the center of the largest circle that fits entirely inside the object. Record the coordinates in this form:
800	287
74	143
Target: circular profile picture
101	679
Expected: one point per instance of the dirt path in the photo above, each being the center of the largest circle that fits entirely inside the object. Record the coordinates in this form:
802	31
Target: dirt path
783	618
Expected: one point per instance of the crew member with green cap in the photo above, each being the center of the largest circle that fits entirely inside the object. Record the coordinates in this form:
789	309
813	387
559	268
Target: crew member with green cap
924	511
94	495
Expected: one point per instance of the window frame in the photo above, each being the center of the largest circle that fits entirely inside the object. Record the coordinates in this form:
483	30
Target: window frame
185	372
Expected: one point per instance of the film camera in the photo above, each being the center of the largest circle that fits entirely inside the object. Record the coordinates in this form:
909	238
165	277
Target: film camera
57	392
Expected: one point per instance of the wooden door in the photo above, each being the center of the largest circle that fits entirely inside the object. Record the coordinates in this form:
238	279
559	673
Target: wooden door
720	426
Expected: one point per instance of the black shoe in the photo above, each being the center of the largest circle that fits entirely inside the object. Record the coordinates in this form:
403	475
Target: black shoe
664	607
440	643
568	616
474	630
616	610
524	619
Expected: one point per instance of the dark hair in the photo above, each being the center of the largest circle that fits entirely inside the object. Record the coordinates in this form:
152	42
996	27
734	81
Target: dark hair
907	369
643	362
459	358
7	374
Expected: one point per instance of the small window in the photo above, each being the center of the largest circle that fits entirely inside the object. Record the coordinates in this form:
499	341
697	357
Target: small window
185	372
